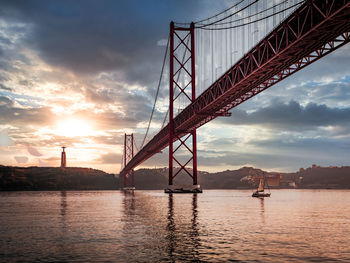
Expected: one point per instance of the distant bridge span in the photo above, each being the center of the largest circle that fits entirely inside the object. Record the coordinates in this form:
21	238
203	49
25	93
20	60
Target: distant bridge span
312	31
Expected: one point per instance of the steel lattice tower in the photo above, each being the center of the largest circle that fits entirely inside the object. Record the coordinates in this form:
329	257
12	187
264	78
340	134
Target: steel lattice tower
128	178
182	38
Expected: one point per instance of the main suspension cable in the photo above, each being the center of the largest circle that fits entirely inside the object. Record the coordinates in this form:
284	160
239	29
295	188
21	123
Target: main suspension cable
155	100
226	17
258	13
251	22
216	15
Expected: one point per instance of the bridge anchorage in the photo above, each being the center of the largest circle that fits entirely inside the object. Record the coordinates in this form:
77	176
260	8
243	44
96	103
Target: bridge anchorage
312	30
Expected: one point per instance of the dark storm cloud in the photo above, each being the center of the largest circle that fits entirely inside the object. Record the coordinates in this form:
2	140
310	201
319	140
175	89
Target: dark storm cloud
94	36
292	116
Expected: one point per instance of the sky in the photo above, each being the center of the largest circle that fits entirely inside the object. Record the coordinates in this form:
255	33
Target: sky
82	73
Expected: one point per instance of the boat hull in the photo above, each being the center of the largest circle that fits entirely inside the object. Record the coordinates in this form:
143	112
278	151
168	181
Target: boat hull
261	194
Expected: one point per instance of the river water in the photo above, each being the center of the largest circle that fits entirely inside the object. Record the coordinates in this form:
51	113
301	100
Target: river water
150	226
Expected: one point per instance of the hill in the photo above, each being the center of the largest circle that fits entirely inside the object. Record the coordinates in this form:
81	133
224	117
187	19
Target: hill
312	177
324	177
54	178
230	179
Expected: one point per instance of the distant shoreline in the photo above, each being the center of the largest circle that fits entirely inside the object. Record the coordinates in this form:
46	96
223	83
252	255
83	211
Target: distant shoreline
88	179
211	189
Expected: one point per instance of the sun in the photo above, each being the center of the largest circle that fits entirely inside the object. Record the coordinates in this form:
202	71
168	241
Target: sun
73	127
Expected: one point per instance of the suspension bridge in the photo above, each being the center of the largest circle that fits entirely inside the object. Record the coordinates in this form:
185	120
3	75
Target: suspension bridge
217	63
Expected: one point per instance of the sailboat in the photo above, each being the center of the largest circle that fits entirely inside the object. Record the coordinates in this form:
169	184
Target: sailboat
260	192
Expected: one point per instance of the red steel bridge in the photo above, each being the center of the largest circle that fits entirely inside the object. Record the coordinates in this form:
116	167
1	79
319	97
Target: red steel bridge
312	30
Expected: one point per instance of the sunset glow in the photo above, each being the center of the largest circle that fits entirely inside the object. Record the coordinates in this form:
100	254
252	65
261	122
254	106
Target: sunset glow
74	128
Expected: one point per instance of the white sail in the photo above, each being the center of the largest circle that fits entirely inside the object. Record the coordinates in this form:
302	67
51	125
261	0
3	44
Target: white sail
261	186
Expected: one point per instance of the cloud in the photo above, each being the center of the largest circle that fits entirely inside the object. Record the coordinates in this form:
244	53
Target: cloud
21	159
88	37
42	163
3	87
162	42
111	139
98	96
280	153
5	139
4	101
110	158
33	151
52	159
12	114
291	116
314	146
312	84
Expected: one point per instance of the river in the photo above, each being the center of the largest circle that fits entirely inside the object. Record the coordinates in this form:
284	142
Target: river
150	226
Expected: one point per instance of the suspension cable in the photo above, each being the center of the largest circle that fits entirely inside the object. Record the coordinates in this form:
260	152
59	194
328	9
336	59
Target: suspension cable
155	100
251	22
258	13
137	149
200	21
122	165
226	17
166	115
216	15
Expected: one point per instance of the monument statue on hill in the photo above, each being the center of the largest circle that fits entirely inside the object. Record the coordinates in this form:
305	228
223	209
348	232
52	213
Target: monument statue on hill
63	158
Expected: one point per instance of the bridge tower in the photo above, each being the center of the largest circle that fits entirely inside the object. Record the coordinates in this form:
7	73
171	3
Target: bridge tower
63	158
128	177
182	60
